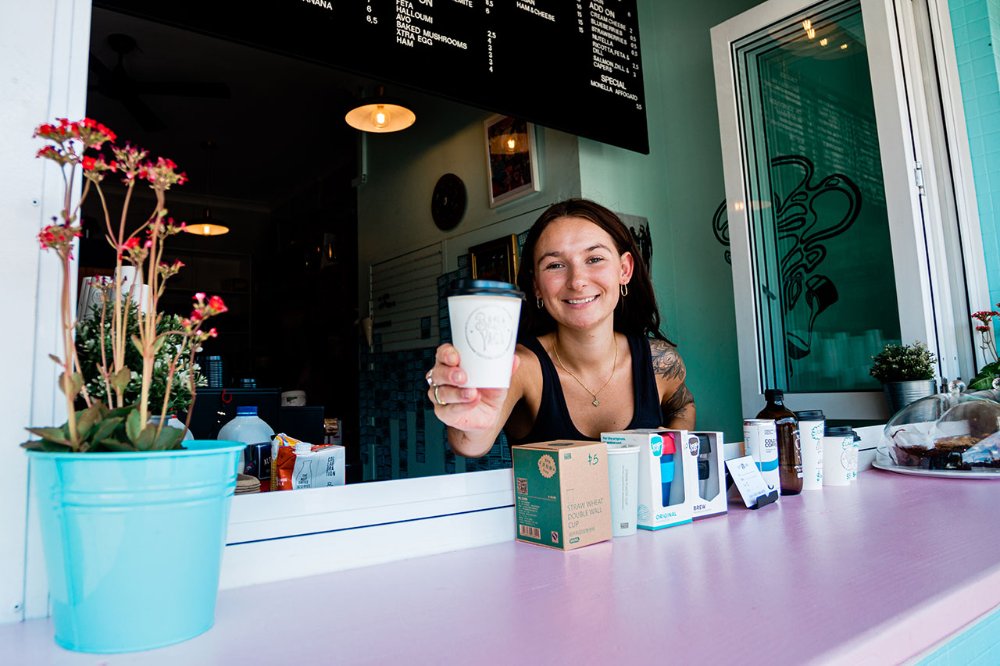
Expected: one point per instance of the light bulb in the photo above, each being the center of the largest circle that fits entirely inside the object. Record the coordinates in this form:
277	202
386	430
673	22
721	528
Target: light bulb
207	230
380	117
511	144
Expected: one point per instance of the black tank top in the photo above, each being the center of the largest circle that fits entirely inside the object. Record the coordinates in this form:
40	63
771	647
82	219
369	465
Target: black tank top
553	420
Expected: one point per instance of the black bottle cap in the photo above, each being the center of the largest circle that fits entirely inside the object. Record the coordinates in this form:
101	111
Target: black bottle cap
810	415
774	394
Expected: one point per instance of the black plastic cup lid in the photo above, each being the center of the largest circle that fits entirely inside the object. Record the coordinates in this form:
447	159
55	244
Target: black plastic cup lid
484	288
810	415
839	431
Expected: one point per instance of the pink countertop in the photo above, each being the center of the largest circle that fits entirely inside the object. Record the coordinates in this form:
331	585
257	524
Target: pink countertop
873	573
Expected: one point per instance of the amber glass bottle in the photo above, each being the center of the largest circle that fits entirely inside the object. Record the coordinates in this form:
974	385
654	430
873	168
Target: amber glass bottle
789	449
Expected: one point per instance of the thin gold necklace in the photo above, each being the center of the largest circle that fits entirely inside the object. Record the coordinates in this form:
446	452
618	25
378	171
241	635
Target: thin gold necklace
614	366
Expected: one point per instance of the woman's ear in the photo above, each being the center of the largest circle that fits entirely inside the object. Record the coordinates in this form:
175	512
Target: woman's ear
628	267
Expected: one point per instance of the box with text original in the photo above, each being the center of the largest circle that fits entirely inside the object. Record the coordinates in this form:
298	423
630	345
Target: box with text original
663	500
561	493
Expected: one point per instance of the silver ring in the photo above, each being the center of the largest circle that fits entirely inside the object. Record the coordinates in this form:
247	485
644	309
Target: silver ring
437	398
430	380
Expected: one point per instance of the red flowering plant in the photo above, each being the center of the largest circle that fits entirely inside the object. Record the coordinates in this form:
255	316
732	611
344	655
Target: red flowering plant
87	148
989	373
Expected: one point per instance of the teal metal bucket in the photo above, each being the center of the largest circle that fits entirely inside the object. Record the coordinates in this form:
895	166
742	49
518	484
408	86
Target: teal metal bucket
133	542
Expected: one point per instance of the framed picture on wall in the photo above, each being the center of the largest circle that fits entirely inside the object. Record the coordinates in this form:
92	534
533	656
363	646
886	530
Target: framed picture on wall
495	260
511	161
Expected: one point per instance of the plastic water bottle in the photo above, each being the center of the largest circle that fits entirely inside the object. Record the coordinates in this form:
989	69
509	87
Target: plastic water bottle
250	429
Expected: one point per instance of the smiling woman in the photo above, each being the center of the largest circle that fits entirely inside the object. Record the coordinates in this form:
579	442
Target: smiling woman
593	303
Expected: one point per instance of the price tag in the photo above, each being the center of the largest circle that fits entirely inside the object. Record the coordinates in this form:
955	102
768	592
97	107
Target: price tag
753	489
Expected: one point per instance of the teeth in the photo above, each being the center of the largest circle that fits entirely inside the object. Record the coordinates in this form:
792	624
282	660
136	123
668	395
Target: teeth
578	301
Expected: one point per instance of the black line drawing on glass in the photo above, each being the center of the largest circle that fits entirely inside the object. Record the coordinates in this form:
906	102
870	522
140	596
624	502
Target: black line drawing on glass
802	228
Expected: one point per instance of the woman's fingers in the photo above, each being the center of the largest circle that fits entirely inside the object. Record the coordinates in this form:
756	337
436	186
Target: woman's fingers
446	370
443	395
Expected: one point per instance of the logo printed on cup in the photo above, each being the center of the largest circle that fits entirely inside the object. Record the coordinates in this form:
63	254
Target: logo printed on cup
489	331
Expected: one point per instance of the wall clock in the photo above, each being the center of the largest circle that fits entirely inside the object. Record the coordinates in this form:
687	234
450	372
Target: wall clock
448	202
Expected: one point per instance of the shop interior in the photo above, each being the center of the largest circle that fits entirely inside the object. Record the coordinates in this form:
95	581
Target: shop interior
270	160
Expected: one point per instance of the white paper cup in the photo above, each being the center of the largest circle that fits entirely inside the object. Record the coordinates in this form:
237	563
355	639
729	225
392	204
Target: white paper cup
811	426
838	455
484	316
623	472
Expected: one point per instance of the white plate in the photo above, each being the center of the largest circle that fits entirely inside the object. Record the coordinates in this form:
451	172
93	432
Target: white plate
939	473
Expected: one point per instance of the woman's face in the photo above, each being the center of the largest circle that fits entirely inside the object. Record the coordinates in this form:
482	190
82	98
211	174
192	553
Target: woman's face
578	272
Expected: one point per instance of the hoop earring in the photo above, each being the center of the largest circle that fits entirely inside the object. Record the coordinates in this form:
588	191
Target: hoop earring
539	303
623	288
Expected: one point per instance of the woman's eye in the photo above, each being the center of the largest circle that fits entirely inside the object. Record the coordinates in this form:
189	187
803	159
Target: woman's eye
554	264
594	260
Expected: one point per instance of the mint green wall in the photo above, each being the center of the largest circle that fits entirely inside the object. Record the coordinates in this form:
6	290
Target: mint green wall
976	27
678	187
394	213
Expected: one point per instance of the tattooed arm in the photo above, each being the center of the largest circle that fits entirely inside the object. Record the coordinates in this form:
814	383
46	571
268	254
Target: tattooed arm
676	402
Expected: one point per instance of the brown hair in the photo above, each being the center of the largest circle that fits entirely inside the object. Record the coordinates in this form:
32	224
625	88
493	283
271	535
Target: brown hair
635	313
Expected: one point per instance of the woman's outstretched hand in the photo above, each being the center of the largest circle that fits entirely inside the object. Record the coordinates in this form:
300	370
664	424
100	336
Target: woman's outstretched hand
470	410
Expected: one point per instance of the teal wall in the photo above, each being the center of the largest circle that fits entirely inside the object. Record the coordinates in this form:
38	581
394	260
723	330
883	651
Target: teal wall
677	187
976	27
978	645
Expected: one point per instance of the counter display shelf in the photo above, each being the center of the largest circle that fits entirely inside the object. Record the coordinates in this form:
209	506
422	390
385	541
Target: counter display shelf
878	572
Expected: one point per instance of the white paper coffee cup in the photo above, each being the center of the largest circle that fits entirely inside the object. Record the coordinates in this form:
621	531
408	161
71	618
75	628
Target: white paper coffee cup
623	472
484	316
811	427
839	456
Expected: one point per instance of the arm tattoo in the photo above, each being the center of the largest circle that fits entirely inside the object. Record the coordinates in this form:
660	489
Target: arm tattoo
667	362
677	403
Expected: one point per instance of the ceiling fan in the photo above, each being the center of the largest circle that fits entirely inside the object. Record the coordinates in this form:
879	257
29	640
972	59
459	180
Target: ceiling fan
117	84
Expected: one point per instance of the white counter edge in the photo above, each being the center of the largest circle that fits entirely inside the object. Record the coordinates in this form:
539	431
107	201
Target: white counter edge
278	536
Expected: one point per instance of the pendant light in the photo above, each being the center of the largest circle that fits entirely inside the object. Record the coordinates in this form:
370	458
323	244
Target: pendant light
207	225
380	114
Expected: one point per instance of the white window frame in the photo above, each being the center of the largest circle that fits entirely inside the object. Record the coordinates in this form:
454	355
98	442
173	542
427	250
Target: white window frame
928	297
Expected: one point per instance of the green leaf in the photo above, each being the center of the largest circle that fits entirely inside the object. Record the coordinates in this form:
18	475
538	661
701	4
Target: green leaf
48	447
120	379
86	419
55	435
58	361
133	425
146	438
106	428
158	344
169	439
137	343
116	446
123	412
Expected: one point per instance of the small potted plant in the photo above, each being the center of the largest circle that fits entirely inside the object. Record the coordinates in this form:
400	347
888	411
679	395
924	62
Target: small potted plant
906	373
133	518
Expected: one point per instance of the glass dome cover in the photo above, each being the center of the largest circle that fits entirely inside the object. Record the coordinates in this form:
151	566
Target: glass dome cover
953	431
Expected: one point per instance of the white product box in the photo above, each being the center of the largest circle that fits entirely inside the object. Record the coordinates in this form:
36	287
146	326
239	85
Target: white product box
706	488
663	468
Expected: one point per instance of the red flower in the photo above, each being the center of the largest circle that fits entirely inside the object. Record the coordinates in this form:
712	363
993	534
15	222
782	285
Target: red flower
88	163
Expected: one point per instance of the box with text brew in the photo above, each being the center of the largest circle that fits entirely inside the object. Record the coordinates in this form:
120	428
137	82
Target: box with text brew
561	493
663	500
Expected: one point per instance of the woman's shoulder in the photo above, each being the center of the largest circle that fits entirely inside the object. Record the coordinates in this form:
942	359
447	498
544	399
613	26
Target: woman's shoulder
667	362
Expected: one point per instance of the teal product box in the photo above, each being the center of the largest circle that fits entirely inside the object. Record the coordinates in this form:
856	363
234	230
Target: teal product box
562	496
663	498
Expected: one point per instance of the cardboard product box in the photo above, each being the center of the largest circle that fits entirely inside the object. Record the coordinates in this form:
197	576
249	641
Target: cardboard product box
707	486
561	493
663	498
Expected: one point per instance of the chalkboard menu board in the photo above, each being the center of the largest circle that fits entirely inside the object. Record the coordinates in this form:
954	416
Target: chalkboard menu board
572	65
